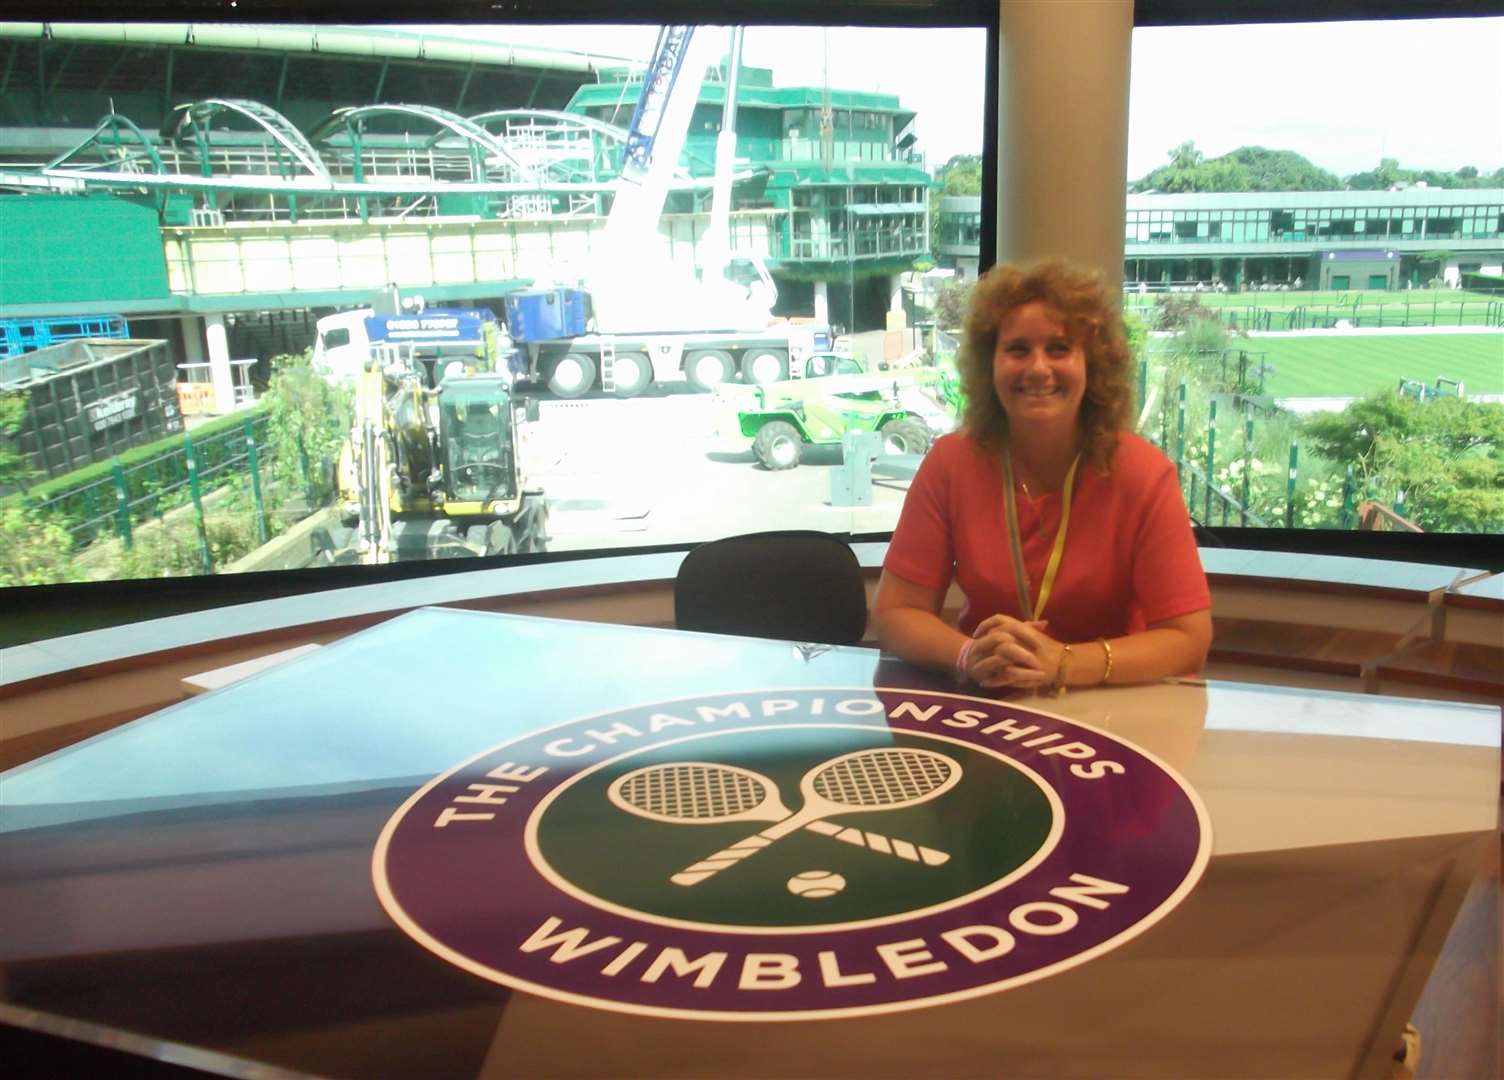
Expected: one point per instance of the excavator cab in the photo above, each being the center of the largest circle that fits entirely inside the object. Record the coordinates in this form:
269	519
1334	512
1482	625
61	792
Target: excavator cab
475	433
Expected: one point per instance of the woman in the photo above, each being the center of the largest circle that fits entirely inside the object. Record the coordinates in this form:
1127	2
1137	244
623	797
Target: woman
1115	589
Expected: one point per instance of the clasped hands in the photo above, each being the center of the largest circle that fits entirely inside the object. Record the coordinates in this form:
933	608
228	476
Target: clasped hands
1011	652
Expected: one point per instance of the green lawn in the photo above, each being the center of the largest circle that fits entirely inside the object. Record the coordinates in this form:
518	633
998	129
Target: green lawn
1323	366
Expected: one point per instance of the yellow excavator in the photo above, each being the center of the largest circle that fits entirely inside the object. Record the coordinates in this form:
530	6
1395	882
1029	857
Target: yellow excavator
431	468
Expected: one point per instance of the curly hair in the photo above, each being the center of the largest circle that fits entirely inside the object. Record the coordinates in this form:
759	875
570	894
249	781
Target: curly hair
1078	299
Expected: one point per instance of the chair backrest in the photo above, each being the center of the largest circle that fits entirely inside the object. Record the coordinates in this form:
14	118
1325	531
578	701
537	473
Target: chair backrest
795	585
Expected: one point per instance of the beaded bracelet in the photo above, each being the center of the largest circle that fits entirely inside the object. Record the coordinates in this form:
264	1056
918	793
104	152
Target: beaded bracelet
1106	648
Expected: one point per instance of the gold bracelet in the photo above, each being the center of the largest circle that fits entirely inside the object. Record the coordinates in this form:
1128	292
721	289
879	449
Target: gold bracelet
1106	648
1059	687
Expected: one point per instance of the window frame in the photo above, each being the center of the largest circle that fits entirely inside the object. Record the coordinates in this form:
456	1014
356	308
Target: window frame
160	596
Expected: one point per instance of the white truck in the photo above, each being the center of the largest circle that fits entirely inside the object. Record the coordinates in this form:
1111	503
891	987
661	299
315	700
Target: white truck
433	339
627	362
569	364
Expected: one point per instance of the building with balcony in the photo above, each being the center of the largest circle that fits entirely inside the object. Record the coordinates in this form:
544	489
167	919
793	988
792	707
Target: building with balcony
1326	239
834	172
1319	239
960	234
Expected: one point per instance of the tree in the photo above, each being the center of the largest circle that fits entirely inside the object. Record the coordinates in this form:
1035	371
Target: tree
14	471
1281	170
1190	171
1186	156
307	421
951	299
33	549
1446	455
1434	261
1388	174
1136	331
961	175
1199	344
1248	168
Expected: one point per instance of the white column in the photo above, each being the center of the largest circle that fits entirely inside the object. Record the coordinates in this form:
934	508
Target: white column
1063	79
219	363
895	293
822	303
193	341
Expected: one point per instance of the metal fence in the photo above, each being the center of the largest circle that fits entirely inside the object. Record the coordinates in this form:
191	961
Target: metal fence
1211	502
1358	314
147	490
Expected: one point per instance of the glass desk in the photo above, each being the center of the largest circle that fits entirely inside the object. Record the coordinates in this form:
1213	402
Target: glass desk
470	845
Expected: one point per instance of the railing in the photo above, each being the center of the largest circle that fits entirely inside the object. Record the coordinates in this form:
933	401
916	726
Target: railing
130	495
24	335
1219	490
1203	495
436	166
197	392
1359	313
802	149
863	244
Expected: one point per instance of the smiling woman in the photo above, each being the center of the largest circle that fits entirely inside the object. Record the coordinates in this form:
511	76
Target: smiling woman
1044	440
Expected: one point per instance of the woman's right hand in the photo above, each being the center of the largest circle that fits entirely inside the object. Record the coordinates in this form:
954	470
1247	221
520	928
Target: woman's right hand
1003	653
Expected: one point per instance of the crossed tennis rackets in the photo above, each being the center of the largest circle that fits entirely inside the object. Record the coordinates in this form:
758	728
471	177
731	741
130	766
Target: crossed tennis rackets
706	793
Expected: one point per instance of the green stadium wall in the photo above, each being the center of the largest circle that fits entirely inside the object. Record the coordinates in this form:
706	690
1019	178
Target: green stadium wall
95	248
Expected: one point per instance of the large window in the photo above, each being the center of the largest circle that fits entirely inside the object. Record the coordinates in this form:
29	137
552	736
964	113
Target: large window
287	250
629	255
1322	261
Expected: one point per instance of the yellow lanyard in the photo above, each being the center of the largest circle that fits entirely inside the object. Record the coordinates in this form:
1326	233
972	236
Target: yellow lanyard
1015	542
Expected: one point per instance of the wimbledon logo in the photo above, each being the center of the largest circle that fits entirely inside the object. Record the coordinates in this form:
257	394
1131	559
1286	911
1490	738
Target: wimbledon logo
791	854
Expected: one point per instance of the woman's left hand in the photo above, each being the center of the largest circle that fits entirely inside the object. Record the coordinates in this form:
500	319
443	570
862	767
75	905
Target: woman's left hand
1042	653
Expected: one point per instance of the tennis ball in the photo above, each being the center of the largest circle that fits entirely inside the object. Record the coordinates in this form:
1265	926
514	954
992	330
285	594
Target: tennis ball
816	884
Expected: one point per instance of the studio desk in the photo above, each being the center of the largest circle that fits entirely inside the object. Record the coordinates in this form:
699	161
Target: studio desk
465	844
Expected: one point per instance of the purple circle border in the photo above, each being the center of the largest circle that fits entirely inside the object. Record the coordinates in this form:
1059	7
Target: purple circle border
1142	827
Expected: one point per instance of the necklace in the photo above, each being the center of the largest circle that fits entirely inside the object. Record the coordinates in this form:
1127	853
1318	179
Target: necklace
1015	544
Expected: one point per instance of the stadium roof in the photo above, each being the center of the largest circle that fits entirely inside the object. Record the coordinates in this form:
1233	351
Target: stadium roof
368	42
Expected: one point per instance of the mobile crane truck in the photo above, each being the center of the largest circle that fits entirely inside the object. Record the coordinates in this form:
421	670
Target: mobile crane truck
632	319
636	318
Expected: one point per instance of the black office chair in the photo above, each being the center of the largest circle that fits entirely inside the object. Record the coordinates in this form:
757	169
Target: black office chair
796	585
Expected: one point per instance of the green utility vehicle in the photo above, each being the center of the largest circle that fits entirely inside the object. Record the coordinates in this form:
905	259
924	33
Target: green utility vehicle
780	431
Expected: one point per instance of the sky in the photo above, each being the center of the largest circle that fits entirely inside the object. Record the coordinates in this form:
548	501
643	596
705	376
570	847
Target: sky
1427	92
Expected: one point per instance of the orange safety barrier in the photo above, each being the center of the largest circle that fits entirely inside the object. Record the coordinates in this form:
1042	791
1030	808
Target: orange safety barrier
196	399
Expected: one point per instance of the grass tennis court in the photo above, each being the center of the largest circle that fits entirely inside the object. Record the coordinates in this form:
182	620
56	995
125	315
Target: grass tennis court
1325	366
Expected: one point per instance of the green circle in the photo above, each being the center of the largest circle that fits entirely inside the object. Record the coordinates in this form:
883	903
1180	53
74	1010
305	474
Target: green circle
990	823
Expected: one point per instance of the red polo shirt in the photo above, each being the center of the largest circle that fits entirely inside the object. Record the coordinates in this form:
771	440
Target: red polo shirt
1130	558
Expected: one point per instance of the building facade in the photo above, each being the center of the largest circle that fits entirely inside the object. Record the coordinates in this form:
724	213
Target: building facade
1324	239
249	178
1376	240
